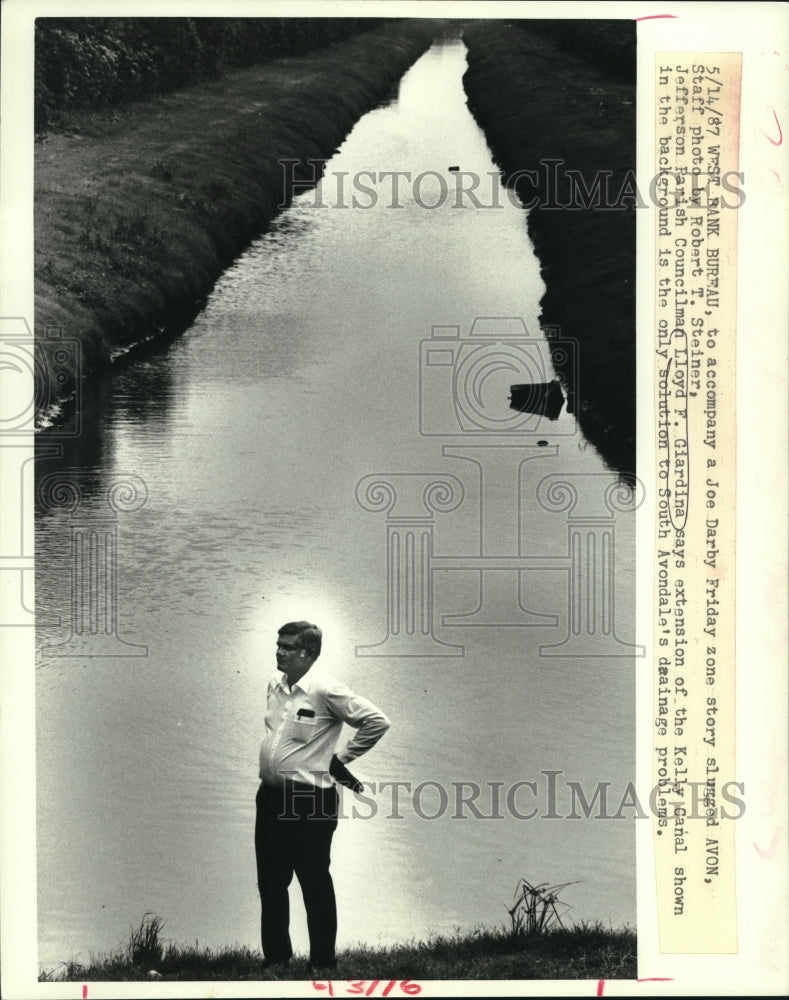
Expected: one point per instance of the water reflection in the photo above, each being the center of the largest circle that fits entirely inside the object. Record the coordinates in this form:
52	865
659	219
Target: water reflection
147	395
139	391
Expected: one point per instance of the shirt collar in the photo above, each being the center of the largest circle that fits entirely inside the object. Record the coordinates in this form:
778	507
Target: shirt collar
303	684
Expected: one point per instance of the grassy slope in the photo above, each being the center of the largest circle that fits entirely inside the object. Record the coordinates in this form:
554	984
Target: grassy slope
576	953
138	210
534	102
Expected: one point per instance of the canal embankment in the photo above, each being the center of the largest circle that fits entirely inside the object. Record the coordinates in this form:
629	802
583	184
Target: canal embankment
140	206
556	101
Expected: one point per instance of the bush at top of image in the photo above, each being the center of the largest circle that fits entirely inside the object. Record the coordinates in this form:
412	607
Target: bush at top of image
86	63
607	44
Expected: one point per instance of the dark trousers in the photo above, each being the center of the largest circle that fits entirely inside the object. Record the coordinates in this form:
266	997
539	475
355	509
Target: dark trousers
293	833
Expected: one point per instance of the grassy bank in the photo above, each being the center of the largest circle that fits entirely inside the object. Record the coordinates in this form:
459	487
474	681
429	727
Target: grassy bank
538	102
586	952
89	62
139	208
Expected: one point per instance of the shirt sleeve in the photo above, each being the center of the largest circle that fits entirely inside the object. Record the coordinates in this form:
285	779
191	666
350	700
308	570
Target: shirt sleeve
366	718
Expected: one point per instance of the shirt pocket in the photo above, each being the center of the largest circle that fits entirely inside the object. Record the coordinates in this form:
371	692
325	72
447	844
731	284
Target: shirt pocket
301	729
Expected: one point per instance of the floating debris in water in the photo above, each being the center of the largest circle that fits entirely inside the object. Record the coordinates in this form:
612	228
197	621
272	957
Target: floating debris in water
543	398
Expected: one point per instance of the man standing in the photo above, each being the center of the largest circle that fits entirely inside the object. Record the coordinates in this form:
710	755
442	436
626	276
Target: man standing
297	802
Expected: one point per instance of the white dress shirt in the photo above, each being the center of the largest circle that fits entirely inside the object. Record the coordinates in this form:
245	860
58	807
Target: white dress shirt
303	725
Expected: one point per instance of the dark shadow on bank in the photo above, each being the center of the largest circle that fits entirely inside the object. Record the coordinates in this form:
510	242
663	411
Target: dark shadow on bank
556	101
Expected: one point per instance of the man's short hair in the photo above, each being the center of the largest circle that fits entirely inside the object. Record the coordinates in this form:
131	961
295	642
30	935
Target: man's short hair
308	635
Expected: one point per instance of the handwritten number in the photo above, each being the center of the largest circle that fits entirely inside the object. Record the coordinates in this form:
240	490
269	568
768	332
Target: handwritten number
356	987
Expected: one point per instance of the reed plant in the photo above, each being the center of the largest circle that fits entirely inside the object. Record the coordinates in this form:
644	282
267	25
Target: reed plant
145	945
535	909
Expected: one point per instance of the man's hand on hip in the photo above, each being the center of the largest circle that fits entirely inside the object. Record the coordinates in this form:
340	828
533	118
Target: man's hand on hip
343	776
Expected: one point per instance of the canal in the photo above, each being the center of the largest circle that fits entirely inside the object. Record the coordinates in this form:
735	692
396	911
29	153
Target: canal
332	439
